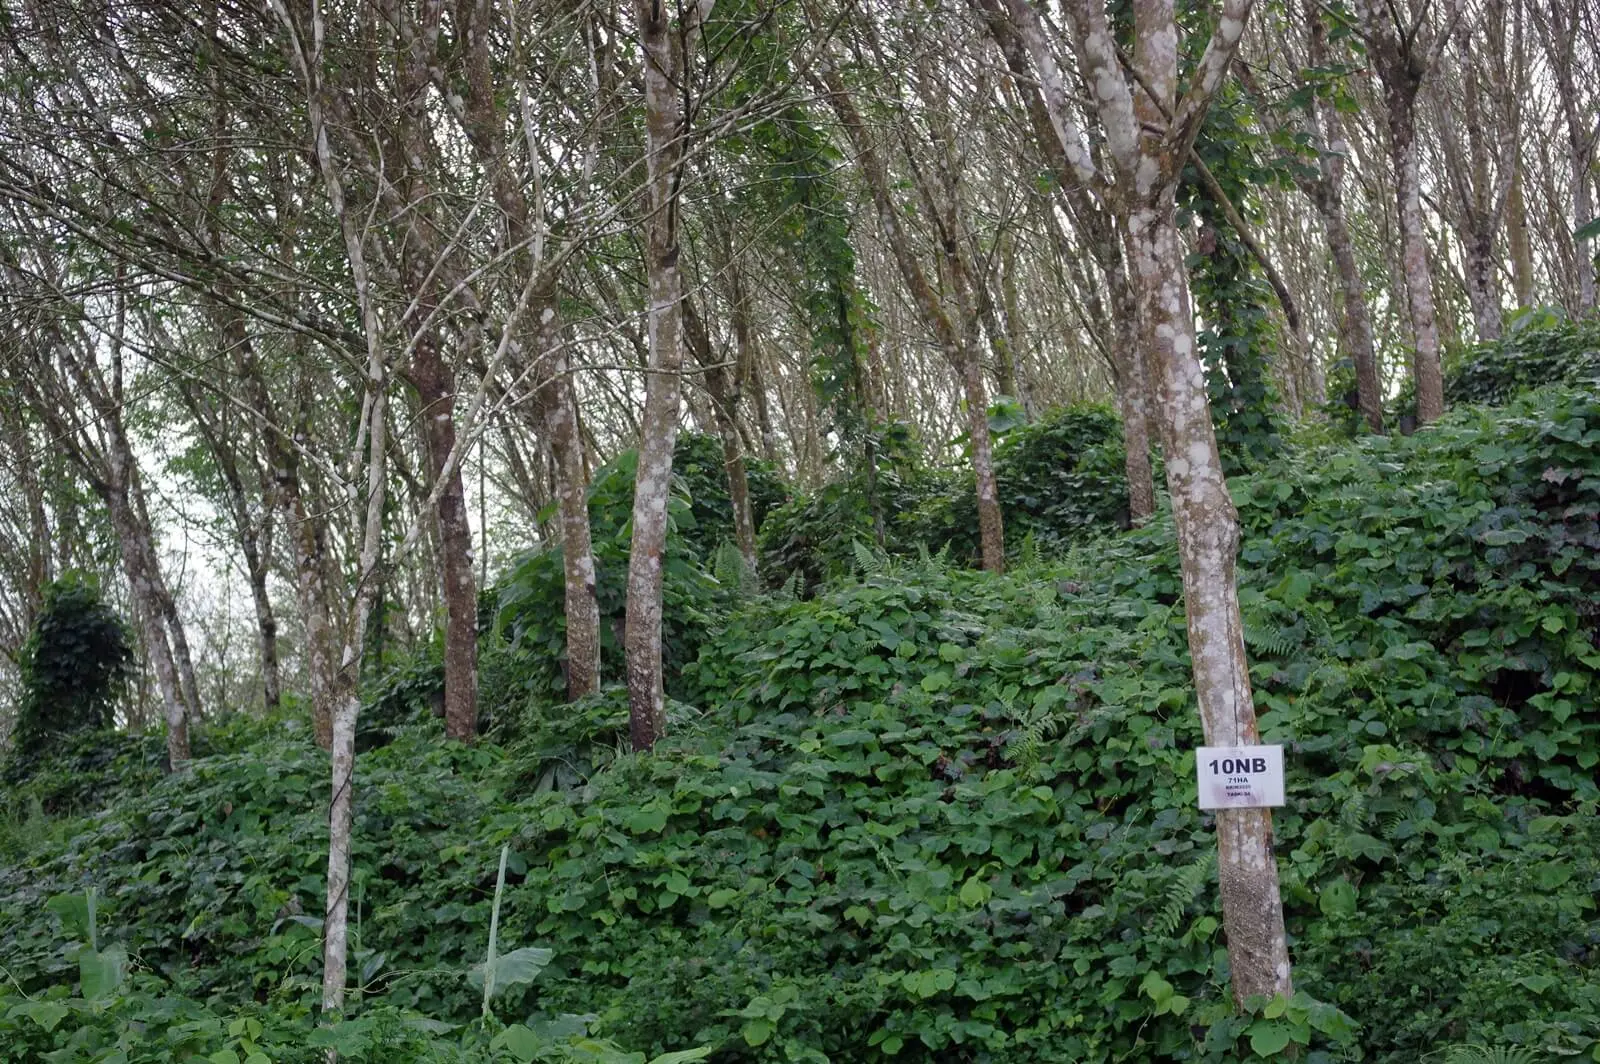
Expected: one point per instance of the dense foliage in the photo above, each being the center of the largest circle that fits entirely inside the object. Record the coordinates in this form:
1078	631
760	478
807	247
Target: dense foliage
74	666
1060	478
933	814
1539	348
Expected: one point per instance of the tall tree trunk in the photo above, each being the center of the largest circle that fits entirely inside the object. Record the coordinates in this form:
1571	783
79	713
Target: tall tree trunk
557	402
1208	545
1327	193
1149	132
1425	366
1402	62
1517	241
1020	37
1133	390
555	398
435	385
653	483
133	541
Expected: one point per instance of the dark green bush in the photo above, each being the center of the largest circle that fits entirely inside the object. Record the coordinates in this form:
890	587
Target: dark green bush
1538	348
74	666
1060	479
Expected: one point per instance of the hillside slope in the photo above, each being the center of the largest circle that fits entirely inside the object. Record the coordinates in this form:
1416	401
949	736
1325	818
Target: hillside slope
937	815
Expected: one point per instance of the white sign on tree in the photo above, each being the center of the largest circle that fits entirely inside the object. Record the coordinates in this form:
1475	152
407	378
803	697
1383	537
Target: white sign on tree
1240	777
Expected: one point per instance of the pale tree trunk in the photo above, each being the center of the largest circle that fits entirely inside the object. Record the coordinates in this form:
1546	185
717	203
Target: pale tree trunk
304	32
134	544
1017	31
1425	366
1401	64
557	403
659	431
1149	130
1517	242
1491	76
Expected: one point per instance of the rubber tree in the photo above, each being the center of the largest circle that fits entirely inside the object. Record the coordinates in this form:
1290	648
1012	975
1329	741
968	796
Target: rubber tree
1148	128
1402	51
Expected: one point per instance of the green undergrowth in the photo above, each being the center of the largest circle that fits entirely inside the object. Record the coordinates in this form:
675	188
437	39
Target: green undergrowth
934	815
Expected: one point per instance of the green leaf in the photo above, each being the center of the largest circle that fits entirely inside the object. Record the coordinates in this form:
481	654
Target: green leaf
682	1056
1338	898
722	898
647	820
1589	230
757	1031
44	1013
516	968
974	892
224	1056
519	1041
1268	1037
100	972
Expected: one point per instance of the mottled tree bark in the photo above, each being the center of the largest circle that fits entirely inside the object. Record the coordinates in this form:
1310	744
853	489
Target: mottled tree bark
435	384
557	403
1402	63
1149	130
659	431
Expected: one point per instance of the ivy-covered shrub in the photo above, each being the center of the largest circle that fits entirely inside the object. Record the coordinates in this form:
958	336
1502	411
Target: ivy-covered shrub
1538	348
1060	479
699	468
74	666
811	537
522	627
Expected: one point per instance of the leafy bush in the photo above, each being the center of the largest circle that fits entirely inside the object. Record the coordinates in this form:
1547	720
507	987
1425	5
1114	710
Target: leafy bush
811	537
1538	349
1060	479
74	666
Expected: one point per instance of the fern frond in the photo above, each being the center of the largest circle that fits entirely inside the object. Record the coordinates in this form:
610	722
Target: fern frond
870	562
1273	642
1028	553
789	590
728	566
1180	893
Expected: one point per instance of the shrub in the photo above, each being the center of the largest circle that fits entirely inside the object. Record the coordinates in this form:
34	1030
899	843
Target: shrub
74	665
